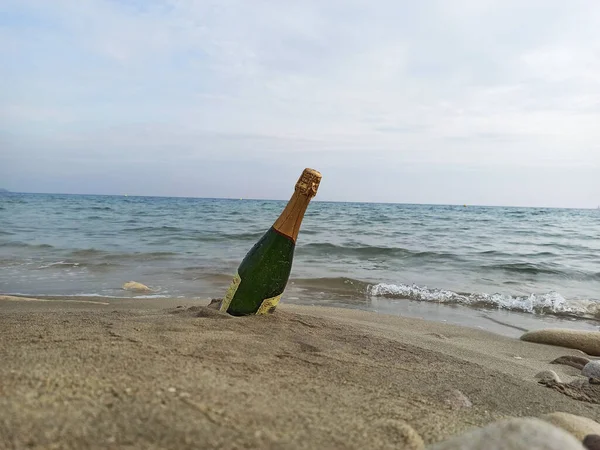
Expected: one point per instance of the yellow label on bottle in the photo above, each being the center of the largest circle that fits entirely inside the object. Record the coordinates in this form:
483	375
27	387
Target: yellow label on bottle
269	305
233	287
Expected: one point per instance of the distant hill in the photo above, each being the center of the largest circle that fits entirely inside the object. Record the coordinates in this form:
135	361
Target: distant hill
4	191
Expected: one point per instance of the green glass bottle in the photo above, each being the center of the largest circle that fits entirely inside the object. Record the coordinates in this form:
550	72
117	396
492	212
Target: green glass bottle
263	274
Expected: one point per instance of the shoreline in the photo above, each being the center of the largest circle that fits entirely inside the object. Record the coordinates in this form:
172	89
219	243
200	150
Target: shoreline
156	373
504	322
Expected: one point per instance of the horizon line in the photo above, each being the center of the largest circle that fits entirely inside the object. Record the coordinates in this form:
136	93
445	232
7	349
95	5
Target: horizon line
314	200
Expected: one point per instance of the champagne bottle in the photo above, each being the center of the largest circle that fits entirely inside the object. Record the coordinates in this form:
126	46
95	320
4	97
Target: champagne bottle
263	274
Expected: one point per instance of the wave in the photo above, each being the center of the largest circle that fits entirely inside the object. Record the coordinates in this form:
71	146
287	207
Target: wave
58	264
95	295
141	256
217	237
87	252
194	238
501	254
340	285
153	229
199	273
374	251
551	303
95	255
20	244
244	236
93	267
571	247
526	268
545	303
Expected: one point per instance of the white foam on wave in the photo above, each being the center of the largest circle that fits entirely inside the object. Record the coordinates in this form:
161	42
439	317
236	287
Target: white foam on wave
58	263
550	302
98	295
121	296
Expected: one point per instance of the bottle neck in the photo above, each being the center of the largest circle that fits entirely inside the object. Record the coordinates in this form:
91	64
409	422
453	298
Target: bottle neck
288	223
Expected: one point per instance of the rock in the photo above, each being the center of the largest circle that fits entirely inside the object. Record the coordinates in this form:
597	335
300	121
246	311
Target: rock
457	400
439	335
578	390
135	286
578	426
578	383
548	375
591	370
396	434
574	361
592	442
587	341
513	434
215	303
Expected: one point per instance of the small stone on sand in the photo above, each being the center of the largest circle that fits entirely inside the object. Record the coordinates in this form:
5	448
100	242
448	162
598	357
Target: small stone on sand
548	375
592	370
578	426
578	383
215	303
513	434
587	341
397	434
135	286
439	335
457	400
574	361
592	442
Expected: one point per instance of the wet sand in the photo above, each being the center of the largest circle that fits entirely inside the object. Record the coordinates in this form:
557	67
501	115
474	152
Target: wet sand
169	373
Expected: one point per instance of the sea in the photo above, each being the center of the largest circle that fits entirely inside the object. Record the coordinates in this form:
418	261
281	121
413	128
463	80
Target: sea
503	269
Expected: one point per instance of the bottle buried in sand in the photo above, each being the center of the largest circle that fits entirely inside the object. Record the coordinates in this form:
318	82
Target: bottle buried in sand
264	272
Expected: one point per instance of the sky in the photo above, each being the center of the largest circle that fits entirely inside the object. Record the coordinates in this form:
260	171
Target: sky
448	102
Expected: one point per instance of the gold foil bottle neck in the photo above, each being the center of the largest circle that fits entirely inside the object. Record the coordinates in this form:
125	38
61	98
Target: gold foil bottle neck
290	219
308	183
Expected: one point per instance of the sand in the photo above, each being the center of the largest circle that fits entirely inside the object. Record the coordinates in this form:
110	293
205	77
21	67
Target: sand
171	373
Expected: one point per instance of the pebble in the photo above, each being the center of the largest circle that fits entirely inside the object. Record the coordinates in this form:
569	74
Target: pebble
548	375
172	389
439	335
215	303
592	370
457	400
578	383
513	434
574	361
587	341
396	434
592	442
135	286
578	426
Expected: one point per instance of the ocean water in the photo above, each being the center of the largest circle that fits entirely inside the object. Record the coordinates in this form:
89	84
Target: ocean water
538	262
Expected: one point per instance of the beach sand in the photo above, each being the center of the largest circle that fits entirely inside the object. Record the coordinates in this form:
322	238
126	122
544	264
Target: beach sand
173	374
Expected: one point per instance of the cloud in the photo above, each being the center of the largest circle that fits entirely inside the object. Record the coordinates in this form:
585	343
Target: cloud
470	85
